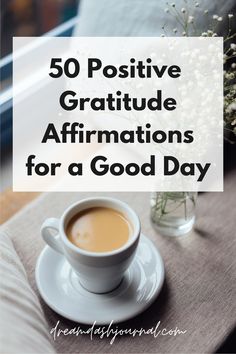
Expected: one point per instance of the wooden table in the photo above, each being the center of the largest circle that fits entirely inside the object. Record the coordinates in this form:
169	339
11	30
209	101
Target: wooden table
11	202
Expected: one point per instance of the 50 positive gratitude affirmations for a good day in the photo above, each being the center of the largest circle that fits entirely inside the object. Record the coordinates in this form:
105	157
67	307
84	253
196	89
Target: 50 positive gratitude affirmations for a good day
76	132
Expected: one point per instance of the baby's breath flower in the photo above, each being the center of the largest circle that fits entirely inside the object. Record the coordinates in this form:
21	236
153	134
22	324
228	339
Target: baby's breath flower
232	106
230	76
234	122
190	19
230	73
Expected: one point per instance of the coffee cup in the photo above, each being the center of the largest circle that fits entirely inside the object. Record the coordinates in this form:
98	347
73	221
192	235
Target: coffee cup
98	272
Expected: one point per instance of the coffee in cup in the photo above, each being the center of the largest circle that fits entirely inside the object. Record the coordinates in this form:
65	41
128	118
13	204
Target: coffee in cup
99	229
107	224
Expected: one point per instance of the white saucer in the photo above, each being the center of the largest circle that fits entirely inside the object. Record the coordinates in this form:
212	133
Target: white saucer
60	288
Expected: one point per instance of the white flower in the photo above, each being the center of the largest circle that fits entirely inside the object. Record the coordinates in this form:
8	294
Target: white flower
230	15
204	34
219	19
230	76
183	33
233	66
234	122
173	4
206	12
167	11
162	35
215	17
190	19
232	106
175	30
225	57
210	32
214	35
183	10
197	4
233	46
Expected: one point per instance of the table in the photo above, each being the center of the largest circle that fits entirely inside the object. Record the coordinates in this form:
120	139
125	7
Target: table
215	232
11	202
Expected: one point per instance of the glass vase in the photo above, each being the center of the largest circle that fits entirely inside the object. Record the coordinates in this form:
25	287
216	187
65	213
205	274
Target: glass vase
173	213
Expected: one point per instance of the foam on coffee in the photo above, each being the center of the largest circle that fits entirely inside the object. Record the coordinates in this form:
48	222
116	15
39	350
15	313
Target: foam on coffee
99	229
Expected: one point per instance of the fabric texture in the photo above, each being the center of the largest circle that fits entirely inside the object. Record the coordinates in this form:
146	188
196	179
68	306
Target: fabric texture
200	287
23	328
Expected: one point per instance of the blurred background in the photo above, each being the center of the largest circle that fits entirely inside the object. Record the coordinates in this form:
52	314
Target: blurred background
31	18
25	18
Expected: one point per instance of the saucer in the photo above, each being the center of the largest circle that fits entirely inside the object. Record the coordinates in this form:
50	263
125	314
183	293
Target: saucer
60	288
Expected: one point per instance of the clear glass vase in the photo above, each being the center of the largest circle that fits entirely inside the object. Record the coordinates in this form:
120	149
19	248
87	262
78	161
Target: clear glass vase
173	213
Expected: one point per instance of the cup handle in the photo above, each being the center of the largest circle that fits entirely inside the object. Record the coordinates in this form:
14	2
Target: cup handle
52	241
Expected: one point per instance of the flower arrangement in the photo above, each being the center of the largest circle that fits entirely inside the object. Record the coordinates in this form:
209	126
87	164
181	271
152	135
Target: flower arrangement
174	210
187	26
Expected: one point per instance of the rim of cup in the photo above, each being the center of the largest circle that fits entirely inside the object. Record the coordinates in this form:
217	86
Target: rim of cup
115	204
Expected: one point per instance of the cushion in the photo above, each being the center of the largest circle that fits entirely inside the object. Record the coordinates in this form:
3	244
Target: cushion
22	325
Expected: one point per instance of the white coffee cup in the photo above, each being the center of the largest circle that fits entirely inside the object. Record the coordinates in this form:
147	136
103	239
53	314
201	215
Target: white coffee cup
98	272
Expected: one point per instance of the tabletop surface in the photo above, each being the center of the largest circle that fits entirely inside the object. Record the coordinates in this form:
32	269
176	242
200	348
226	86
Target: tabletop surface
11	202
199	290
200	286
